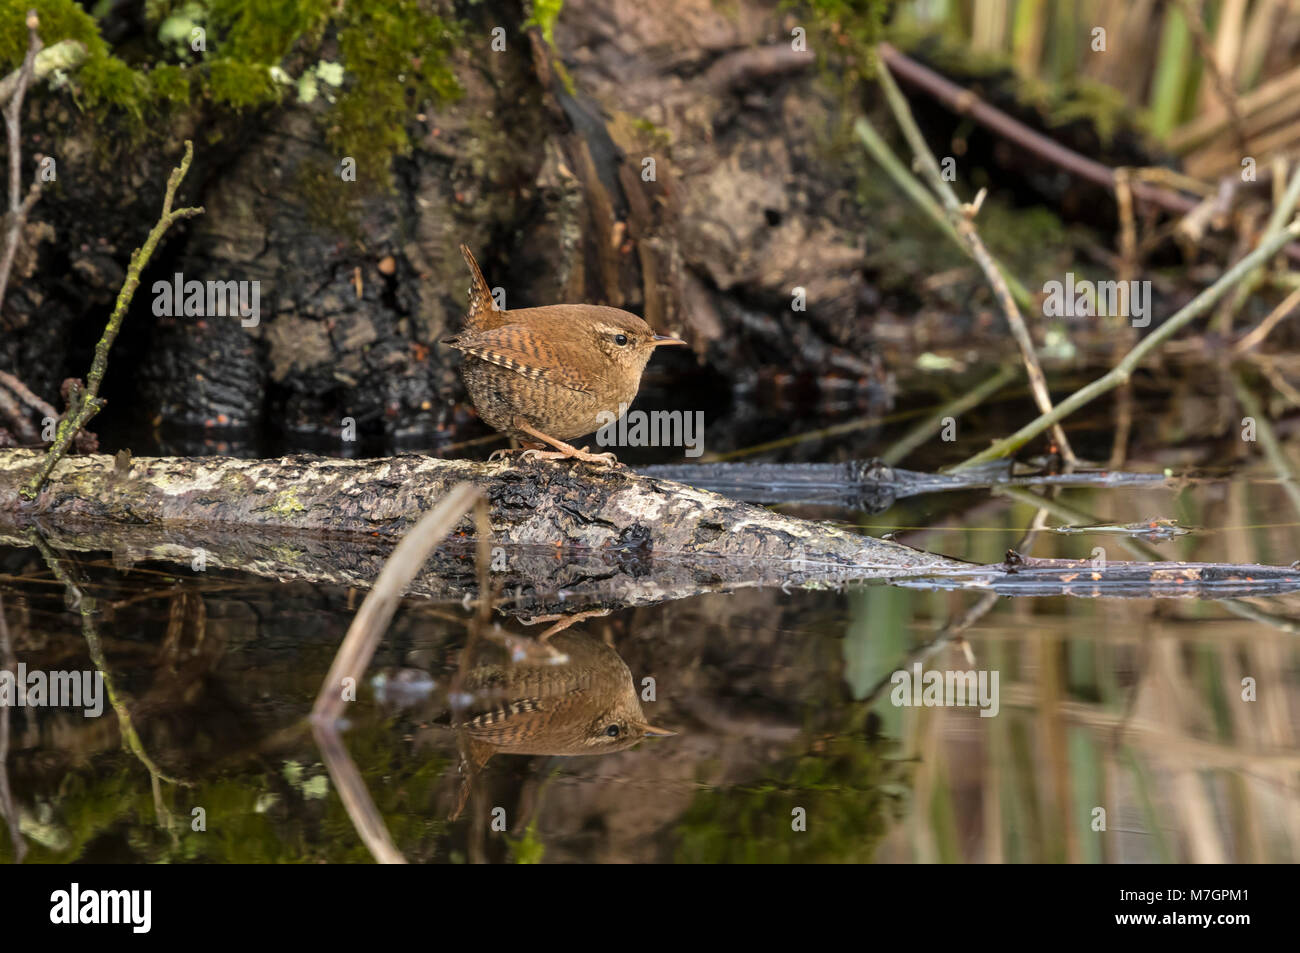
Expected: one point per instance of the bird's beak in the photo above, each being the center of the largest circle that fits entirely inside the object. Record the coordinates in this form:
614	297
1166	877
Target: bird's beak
652	732
661	339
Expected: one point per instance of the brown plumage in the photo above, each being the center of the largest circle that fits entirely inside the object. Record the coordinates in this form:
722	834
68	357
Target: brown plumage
547	374
586	705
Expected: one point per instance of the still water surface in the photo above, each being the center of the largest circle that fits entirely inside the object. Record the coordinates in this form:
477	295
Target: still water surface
1123	729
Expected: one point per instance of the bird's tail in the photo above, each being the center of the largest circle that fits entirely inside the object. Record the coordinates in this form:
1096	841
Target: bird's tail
480	295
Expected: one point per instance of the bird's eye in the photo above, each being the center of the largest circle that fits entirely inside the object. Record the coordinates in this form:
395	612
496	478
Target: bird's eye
612	730
621	341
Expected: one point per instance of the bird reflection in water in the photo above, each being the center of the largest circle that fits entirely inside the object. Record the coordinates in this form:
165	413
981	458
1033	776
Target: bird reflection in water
571	694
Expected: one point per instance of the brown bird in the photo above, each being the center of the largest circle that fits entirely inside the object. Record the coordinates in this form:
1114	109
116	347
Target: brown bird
586	704
545	375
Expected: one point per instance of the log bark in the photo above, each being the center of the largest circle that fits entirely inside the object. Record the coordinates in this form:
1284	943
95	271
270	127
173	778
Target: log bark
571	537
567	537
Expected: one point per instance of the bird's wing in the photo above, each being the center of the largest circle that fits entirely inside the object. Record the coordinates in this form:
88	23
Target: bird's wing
504	719
524	351
520	719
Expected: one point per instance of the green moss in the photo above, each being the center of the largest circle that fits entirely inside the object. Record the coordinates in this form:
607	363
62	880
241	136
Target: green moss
394	57
251	816
1104	107
850	796
102	78
659	136
241	85
851	28
171	84
331	202
545	13
264	31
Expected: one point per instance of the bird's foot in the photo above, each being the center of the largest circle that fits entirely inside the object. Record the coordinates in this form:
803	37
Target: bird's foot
562	449
573	453
563	621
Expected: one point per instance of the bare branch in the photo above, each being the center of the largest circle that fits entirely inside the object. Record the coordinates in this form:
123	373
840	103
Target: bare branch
85	403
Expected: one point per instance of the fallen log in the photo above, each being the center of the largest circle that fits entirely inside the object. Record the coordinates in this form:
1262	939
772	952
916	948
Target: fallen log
566	537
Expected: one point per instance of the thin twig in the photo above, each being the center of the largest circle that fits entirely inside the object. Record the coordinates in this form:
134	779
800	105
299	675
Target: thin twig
19	207
1128	266
7	809
1282	211
367	628
1117	375
954	408
962	217
85	402
25	395
371	620
63	55
1275	317
1222	84
9	409
1268	441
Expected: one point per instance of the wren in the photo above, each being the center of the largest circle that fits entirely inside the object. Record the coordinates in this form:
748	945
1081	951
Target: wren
585	705
546	375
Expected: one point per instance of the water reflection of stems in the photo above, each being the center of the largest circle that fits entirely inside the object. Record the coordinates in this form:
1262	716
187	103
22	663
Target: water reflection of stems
7	810
1142	550
84	604
1268	438
953	633
358	648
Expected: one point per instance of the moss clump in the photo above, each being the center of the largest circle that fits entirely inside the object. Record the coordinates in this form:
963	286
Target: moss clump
395	57
545	13
103	79
265	31
241	85
851	28
850	794
171	84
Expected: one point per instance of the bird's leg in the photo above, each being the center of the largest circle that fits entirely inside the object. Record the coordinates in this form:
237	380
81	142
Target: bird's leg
562	622
562	449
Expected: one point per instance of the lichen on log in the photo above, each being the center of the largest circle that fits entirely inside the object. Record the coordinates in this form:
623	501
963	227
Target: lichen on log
331	520
572	537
